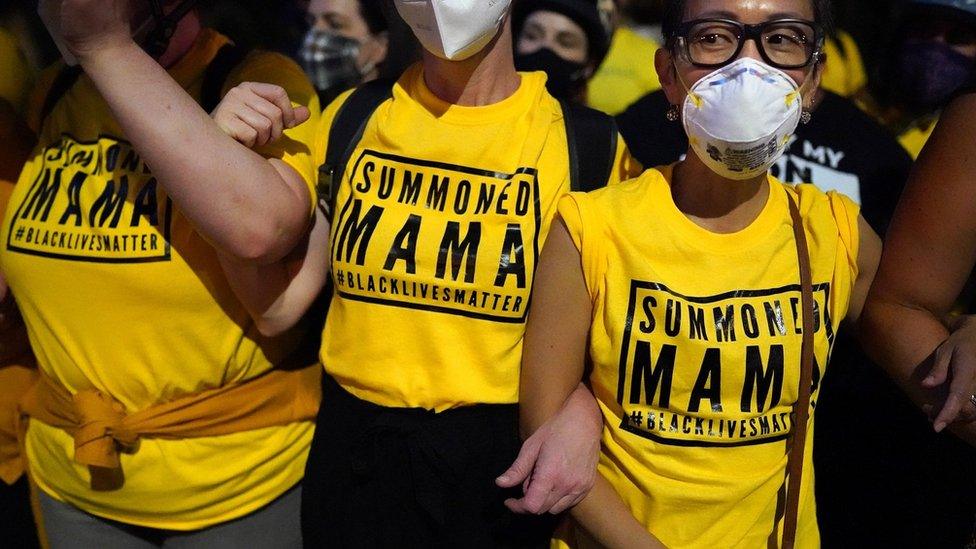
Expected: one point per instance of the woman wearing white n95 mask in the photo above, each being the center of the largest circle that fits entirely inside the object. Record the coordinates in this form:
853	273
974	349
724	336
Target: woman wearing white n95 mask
431	240
705	295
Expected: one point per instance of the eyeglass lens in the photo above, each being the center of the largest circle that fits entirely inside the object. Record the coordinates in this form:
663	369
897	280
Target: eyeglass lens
785	44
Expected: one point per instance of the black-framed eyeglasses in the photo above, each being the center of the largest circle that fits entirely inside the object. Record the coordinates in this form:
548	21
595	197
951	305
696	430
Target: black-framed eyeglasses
783	43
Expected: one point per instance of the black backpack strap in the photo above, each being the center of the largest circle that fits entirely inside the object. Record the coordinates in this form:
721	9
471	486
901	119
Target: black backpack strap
345	133
63	82
591	137
228	58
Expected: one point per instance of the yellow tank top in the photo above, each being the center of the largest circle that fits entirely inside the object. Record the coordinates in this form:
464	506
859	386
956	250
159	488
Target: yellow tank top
695	347
437	230
120	294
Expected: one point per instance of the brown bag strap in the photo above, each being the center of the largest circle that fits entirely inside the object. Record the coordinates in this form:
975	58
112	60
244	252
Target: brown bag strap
801	410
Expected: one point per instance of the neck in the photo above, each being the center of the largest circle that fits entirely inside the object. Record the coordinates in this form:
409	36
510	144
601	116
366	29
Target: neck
713	202
483	79
187	32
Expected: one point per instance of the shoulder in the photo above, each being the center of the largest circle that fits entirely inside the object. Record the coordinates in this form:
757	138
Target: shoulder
828	216
811	199
626	196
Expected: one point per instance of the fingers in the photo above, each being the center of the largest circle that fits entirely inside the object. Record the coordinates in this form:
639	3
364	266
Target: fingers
265	108
241	131
959	391
261	124
940	367
538	499
302	114
278	97
271	112
522	467
546	495
567	501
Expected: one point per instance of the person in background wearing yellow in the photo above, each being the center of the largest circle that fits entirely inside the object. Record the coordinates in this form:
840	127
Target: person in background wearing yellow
345	46
844	72
627	73
17	370
566	39
430	231
160	417
934	53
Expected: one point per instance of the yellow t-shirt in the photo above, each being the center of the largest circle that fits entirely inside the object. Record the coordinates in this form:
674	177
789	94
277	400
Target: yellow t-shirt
121	294
438	226
844	72
695	348
916	135
15	76
626	75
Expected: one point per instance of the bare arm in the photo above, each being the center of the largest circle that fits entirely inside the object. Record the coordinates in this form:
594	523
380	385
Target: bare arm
552	367
248	207
929	252
278	294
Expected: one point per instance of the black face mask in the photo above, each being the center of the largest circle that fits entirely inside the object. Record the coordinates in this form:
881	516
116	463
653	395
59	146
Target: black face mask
565	79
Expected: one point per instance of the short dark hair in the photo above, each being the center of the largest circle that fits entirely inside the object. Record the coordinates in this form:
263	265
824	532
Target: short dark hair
372	13
674	14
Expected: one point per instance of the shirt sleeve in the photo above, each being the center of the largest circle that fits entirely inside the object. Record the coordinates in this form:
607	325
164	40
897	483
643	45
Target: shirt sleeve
625	166
296	147
846	214
574	211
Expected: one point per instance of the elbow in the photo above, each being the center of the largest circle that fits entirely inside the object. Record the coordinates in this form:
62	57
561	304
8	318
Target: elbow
272	327
262	245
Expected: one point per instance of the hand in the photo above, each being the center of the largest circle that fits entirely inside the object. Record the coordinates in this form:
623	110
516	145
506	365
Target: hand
557	464
256	114
956	356
88	26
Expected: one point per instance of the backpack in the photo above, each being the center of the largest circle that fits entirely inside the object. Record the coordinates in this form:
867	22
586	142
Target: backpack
591	138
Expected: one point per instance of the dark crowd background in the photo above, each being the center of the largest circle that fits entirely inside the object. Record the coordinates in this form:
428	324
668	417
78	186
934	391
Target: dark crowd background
280	25
883	478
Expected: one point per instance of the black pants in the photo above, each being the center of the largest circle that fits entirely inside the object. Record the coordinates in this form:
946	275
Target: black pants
17	528
407	477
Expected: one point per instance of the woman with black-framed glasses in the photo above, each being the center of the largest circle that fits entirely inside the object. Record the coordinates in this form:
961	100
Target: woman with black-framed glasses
704	297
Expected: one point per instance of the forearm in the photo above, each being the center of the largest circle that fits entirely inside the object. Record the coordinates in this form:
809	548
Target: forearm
608	520
908	357
545	402
278	294
263	290
239	201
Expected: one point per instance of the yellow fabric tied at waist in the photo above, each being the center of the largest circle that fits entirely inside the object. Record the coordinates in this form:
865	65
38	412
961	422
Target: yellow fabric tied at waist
102	428
18	373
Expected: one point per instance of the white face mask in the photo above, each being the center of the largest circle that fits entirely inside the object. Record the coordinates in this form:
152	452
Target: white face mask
453	29
740	118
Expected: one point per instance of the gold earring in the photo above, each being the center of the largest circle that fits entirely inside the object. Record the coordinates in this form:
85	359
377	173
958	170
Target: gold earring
672	114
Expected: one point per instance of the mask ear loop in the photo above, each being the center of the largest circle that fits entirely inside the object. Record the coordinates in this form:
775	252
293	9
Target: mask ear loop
673	113
805	114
